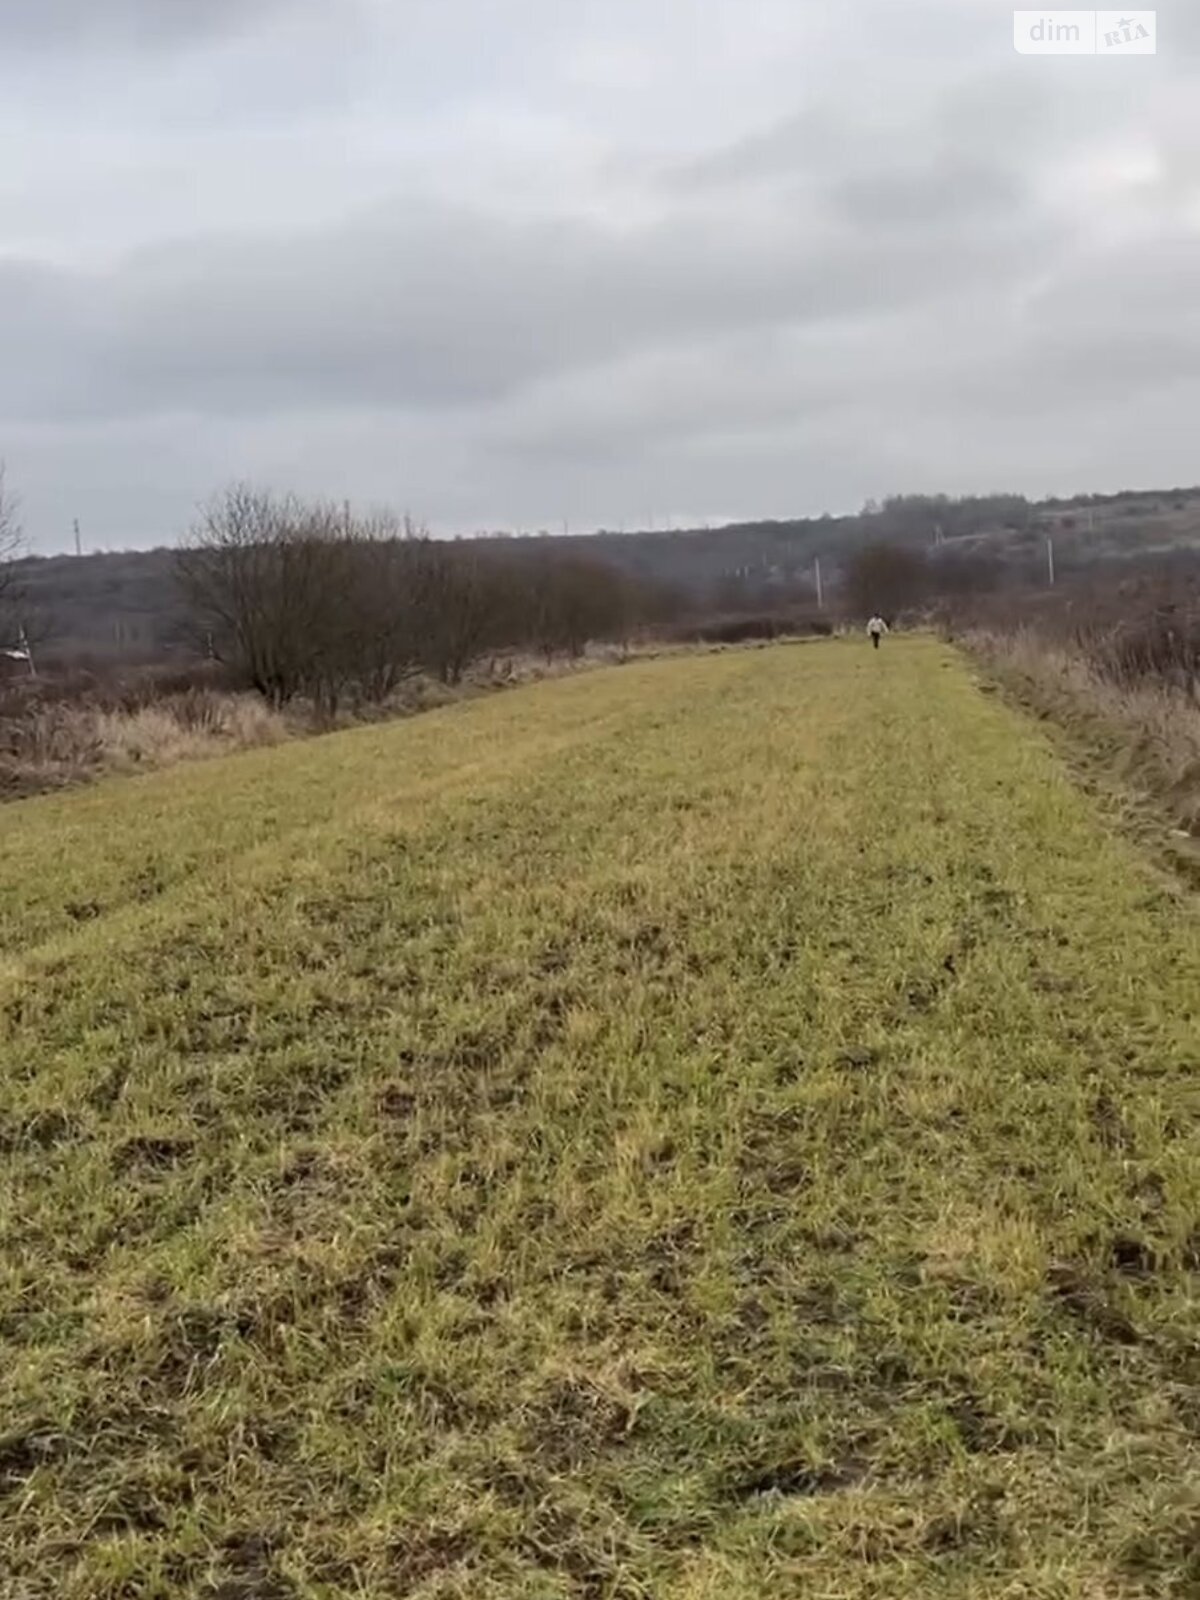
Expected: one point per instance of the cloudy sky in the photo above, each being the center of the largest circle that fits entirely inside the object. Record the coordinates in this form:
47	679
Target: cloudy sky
510	263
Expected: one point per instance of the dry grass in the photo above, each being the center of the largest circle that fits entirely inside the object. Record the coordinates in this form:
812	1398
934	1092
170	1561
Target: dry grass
714	1129
54	740
54	744
1147	731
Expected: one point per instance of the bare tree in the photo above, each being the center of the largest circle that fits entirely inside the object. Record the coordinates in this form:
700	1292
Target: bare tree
559	603
958	575
390	583
12	547
885	578
379	587
304	598
469	604
22	629
260	584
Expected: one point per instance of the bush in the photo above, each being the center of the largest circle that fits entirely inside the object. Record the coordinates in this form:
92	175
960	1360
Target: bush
742	629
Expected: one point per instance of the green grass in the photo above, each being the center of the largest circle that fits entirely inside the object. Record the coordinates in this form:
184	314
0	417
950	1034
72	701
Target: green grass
722	1127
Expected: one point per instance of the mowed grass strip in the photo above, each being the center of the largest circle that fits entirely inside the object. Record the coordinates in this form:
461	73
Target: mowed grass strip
715	1128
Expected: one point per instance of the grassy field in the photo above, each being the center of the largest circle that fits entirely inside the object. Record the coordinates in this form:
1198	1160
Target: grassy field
711	1129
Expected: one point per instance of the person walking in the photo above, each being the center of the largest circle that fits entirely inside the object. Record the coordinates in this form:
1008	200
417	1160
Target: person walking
877	627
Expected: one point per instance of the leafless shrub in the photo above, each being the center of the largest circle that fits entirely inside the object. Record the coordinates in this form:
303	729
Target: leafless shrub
16	624
309	601
470	602
568	601
885	579
266	580
740	629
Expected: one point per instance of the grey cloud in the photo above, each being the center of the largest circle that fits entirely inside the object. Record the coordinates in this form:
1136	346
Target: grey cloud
118	23
1152	279
438	306
915	164
1003	123
1123	320
845	251
806	142
915	198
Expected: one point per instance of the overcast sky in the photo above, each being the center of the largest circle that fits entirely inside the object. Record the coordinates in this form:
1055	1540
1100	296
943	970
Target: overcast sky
510	263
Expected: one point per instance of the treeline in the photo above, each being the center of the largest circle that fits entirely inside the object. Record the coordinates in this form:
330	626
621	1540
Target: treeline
893	579
302	599
308	600
922	518
125	607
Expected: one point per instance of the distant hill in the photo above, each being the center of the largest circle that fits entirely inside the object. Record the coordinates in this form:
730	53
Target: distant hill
125	605
121	605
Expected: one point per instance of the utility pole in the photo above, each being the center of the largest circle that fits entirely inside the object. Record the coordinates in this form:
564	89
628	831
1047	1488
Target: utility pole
78	540
820	587
26	647
1050	559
